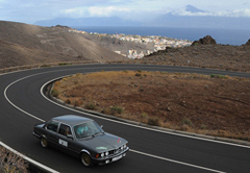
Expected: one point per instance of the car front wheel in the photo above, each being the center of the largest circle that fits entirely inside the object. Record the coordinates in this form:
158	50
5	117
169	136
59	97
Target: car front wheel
86	160
44	142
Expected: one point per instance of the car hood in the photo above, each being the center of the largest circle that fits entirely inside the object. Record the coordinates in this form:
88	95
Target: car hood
104	142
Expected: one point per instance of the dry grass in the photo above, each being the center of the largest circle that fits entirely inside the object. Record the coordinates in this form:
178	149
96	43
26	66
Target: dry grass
213	105
11	163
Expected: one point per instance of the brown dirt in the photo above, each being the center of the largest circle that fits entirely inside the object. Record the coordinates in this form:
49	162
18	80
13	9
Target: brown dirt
217	105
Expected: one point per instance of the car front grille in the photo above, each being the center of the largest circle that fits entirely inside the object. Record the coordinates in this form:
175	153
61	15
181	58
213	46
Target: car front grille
117	151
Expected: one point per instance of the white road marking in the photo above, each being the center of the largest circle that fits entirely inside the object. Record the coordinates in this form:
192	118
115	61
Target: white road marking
162	158
28	159
174	161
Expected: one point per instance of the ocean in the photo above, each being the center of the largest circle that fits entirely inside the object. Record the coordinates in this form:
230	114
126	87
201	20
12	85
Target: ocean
222	36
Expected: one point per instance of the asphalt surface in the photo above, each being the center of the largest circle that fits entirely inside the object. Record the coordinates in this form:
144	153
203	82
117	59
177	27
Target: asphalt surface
151	151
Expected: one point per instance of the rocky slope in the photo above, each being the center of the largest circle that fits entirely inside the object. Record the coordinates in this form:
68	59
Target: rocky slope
23	44
206	40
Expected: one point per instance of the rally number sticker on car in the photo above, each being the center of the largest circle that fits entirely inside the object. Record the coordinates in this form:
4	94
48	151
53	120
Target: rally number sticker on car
64	143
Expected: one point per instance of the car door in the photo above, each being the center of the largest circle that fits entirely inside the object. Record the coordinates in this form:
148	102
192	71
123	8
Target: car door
52	132
66	140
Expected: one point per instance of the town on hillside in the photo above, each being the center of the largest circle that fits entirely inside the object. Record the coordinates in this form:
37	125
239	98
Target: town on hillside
159	43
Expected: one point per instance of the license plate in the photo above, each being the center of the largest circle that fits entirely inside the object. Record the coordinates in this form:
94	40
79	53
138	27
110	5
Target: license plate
117	158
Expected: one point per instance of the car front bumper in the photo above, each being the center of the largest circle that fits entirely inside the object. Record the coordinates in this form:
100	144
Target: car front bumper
111	158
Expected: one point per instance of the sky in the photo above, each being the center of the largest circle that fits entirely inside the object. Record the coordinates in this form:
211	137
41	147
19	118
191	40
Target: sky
30	11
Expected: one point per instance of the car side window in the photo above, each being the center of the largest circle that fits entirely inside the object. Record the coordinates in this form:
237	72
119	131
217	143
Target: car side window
65	130
53	125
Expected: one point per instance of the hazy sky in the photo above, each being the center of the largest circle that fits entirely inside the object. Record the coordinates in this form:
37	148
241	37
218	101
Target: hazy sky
30	11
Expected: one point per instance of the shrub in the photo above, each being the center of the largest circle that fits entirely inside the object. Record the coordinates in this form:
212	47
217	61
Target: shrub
141	89
107	111
218	76
45	65
139	71
203	127
144	115
55	93
62	64
91	106
68	101
184	127
116	110
138	74
78	103
187	122
154	121
11	163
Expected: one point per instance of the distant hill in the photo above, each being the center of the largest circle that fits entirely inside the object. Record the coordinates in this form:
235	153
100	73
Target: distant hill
23	44
193	9
91	21
171	20
192	17
196	20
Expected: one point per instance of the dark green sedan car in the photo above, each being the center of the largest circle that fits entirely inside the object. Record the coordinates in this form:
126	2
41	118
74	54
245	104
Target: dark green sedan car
83	138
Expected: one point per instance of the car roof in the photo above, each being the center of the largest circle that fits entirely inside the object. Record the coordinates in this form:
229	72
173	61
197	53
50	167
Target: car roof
71	119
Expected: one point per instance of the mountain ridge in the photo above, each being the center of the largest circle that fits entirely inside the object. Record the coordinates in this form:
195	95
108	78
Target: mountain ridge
193	9
24	44
91	21
192	17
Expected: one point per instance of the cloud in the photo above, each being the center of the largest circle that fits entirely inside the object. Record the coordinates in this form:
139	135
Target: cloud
230	13
79	11
106	11
94	11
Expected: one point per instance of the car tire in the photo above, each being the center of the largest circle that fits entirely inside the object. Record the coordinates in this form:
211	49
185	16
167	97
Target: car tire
44	142
86	160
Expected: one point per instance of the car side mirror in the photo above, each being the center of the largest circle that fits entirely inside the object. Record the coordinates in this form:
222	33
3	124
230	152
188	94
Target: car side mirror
101	126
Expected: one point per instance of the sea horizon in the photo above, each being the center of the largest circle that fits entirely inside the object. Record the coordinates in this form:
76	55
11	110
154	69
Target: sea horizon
221	35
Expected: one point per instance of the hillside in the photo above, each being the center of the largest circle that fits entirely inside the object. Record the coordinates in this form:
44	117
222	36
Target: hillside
23	44
214	105
204	53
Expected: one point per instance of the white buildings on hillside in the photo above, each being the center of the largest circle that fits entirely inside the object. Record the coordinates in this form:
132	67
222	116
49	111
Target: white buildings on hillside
160	43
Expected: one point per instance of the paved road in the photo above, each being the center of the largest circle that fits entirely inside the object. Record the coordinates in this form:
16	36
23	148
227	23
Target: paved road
151	151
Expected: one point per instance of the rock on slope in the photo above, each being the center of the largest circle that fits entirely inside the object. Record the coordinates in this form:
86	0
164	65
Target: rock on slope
247	43
205	40
23	44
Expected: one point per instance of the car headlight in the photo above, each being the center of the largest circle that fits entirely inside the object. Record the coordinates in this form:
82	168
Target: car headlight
102	155
106	153
121	147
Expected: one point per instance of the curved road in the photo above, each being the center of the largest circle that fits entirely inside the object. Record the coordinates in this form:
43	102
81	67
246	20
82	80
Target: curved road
22	106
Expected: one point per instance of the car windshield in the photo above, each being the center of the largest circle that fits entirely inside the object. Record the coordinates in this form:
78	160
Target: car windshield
88	129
